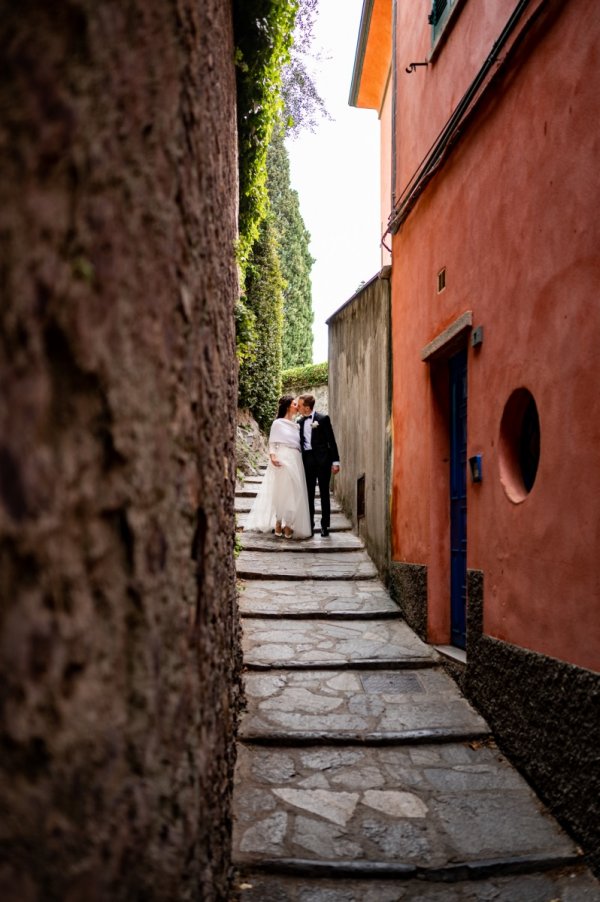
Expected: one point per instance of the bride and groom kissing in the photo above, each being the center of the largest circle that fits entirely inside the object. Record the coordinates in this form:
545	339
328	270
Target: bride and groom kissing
302	453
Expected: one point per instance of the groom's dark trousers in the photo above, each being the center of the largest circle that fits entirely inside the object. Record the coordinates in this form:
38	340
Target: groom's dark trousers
317	464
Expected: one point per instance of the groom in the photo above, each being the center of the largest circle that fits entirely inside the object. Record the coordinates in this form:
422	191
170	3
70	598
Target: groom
319	456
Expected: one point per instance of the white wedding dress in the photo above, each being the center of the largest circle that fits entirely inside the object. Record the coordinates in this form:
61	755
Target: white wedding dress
282	494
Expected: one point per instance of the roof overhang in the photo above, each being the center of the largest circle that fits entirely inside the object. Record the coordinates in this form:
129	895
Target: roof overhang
373	55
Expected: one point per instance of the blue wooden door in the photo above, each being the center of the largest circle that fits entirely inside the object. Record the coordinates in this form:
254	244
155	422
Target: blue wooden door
458	498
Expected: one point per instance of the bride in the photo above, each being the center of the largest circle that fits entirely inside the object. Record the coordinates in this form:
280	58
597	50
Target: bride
281	503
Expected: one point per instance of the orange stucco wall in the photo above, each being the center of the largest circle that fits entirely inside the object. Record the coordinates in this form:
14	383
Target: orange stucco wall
513	216
378	53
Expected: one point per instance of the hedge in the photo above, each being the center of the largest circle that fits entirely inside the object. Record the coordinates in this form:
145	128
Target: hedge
300	378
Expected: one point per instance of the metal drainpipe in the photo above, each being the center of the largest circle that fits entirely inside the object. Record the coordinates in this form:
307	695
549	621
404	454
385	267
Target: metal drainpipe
413	189
394	109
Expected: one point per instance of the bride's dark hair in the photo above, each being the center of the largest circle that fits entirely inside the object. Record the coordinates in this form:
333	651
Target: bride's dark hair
284	405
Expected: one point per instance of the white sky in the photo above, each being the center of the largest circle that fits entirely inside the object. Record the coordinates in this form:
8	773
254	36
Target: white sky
336	173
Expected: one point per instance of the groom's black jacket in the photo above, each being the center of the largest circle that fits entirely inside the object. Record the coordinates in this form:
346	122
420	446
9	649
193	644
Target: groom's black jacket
322	438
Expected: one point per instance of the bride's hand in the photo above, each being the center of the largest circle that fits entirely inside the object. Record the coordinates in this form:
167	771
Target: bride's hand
275	462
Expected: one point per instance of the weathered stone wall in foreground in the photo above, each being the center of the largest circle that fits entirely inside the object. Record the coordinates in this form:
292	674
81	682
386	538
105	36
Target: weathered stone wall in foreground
118	636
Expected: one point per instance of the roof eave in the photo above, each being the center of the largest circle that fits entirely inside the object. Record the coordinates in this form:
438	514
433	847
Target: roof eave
361	47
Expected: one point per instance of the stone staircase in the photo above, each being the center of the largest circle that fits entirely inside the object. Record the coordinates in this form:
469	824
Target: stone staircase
363	773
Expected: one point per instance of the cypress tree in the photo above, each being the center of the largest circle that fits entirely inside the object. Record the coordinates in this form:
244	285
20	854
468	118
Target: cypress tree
294	256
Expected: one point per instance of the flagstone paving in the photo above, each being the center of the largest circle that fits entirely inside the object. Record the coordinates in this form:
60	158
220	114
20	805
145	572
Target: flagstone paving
311	565
318	598
427	806
268	643
363	774
368	706
338	541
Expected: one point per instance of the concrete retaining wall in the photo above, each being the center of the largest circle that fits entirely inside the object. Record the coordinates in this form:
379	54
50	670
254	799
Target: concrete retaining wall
359	406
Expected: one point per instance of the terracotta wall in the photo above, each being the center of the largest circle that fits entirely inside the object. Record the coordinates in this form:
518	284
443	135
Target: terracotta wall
118	636
512	216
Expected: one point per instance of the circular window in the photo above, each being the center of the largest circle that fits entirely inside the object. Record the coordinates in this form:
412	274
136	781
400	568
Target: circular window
519	445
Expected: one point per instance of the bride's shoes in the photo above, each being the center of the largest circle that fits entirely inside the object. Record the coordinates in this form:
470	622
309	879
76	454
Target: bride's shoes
277	530
287	532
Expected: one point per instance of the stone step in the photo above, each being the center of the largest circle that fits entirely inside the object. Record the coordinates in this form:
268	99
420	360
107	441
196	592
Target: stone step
345	707
339	522
243	503
336	541
310	565
436	811
290	643
339	599
574	884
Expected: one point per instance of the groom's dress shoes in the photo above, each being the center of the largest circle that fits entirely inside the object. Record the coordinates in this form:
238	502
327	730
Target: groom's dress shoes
324	532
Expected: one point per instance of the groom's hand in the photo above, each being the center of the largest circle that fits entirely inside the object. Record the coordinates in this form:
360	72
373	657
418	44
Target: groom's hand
335	469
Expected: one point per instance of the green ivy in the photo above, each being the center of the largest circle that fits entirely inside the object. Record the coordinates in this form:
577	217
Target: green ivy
301	378
260	371
263	37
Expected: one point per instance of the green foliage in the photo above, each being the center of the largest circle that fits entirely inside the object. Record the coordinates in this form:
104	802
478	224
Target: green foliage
237	543
301	378
260	371
263	36
302	103
245	330
296	261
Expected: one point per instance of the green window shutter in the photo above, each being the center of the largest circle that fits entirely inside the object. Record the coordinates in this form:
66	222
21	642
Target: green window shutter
437	11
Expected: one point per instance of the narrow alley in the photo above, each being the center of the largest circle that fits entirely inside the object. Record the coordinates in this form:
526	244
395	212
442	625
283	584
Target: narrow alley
363	773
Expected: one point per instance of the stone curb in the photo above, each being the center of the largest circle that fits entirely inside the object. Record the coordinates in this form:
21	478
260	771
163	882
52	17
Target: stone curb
363	664
303	577
298	548
322	615
407	737
451	873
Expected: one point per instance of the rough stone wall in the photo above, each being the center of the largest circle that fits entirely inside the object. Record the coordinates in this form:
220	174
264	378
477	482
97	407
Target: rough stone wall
250	445
408	588
118	635
545	715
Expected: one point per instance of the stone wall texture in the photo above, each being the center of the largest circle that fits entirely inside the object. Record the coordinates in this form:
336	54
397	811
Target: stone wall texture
545	715
118	626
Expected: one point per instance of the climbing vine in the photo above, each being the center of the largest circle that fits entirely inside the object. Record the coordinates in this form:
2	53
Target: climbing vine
260	372
263	37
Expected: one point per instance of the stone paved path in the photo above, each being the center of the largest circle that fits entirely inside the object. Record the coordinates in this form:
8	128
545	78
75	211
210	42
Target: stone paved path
363	774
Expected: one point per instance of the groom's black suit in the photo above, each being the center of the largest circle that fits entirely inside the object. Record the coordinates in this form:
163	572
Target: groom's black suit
318	461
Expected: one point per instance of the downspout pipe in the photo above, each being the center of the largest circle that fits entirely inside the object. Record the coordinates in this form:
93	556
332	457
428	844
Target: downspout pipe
427	168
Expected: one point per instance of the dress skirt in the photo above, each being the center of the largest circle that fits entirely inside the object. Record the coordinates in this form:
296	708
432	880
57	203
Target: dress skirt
282	496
